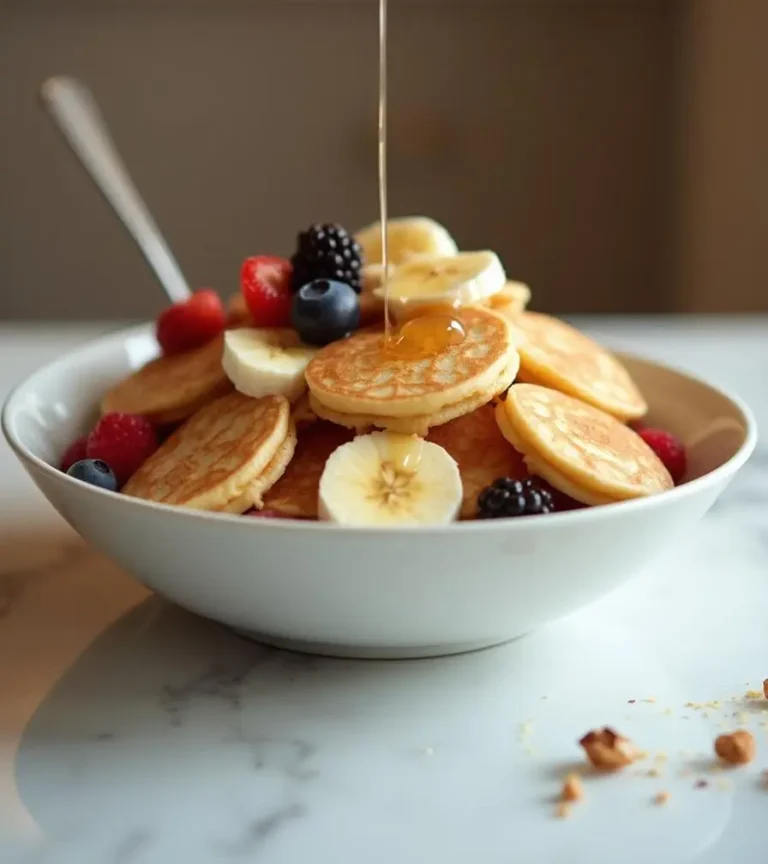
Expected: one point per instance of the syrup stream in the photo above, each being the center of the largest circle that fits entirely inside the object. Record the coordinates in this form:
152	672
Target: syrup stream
383	158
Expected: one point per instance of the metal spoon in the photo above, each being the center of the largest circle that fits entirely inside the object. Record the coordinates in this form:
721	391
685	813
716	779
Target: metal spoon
74	110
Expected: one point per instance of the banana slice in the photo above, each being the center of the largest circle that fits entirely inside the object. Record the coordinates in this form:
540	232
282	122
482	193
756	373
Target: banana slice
407	237
459	280
388	479
266	362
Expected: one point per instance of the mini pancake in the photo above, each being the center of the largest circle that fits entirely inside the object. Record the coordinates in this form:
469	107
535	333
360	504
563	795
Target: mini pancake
223	459
512	299
295	493
170	389
556	355
580	450
357	383
481	452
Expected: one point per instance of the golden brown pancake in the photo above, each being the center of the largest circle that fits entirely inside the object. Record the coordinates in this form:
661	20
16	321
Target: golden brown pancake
358	382
554	354
222	459
580	450
295	493
170	389
481	452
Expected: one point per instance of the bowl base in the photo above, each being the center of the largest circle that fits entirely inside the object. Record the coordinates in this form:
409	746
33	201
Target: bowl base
371	652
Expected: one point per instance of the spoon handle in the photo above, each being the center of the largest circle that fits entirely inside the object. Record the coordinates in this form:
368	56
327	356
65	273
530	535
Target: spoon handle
74	110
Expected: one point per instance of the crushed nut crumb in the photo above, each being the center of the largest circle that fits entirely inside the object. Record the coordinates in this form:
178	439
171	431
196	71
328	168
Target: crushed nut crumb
650	699
573	790
754	694
701	784
607	750
765	688
563	810
661	799
653	772
631	701
736	748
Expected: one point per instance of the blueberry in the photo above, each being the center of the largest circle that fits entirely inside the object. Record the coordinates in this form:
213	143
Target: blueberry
324	311
95	472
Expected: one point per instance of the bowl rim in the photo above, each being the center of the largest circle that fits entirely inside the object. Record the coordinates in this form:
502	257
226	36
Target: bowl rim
291	525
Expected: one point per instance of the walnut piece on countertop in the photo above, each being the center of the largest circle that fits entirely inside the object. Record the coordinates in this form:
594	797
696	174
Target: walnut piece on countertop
736	748
607	750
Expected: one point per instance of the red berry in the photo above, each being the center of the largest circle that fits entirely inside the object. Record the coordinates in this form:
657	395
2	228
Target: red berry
76	452
669	448
188	325
266	285
123	441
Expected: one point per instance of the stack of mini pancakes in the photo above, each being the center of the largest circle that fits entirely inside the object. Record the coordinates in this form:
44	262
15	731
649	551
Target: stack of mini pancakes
523	393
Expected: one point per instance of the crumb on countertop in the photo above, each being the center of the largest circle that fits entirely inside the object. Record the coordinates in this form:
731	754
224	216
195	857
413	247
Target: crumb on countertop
661	799
573	789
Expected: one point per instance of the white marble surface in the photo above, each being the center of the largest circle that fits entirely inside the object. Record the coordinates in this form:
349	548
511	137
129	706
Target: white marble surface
133	733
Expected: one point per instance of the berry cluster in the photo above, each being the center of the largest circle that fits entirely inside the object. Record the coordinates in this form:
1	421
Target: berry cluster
507	497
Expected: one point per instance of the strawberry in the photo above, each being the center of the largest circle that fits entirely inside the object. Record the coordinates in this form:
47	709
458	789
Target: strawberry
188	325
266	285
76	452
123	441
669	448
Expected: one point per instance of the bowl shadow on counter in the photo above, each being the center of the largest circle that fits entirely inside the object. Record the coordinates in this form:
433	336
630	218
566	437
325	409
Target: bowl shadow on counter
163	693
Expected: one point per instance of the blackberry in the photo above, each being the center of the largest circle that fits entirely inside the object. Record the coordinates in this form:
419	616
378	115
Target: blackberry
506	497
327	252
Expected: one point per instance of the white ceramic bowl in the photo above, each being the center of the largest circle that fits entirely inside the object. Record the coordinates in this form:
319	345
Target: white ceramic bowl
365	592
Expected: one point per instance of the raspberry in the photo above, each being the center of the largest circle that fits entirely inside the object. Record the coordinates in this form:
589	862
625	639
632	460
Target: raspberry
76	452
123	441
669	448
191	324
266	285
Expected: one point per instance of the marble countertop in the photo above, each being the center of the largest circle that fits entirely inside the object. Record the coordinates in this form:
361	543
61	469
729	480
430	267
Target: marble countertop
132	732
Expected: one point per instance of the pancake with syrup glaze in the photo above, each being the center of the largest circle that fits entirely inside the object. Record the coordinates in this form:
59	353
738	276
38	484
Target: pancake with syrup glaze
296	492
554	354
481	452
170	389
358	383
580	450
223	459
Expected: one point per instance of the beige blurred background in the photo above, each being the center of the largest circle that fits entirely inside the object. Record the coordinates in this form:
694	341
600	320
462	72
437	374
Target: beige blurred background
615	153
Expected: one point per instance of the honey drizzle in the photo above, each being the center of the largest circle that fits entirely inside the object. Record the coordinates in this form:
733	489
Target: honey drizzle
383	160
404	453
438	330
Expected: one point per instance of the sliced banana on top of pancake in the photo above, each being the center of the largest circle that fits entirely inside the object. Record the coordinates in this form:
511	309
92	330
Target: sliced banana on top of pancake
266	362
457	280
384	478
407	237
